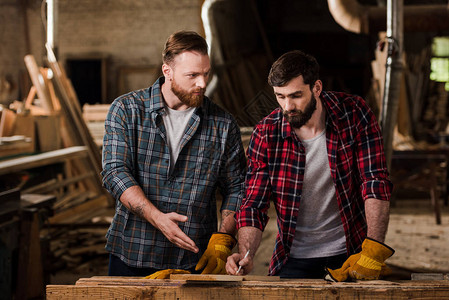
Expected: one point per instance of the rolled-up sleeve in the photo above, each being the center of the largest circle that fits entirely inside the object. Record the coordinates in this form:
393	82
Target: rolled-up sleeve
117	152
371	158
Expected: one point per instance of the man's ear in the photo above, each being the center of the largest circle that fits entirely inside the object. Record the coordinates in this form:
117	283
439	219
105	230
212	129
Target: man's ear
167	71
318	87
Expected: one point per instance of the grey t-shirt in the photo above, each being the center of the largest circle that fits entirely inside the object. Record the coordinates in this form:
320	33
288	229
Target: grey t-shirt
319	229
175	122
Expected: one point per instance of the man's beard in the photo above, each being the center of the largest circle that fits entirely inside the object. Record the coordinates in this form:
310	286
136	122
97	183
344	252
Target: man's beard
301	117
189	99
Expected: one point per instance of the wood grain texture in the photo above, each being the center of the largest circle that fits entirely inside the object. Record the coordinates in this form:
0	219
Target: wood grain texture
205	277
101	287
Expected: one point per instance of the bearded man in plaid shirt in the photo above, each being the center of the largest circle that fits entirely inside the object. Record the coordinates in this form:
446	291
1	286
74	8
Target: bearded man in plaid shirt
319	157
167	149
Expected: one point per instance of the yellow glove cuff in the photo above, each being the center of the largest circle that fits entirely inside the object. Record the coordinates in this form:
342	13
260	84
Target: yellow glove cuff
369	263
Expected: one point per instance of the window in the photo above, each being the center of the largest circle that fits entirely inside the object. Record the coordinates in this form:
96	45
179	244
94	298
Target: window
439	63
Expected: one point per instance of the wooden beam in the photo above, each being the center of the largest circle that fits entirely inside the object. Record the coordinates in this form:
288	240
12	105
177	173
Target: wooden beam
78	211
71	110
38	82
103	287
38	160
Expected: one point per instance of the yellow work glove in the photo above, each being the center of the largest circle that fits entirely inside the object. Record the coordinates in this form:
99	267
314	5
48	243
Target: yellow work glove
165	274
366	265
214	258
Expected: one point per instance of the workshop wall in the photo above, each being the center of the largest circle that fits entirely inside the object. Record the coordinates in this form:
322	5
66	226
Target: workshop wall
21	33
127	36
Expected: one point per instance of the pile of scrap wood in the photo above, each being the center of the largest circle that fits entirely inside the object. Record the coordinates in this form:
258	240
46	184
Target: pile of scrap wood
50	119
76	241
47	148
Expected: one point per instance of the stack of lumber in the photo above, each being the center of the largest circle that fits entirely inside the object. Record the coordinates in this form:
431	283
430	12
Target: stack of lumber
59	157
77	239
62	159
76	250
94	116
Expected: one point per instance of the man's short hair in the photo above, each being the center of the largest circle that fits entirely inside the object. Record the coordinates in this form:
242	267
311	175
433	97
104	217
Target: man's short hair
181	41
291	65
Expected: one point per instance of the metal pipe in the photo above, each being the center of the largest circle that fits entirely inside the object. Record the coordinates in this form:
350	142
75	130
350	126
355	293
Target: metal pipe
52	15
365	19
394	66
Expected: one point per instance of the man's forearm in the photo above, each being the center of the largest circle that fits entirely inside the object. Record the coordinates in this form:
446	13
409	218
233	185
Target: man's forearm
227	222
377	217
135	201
249	239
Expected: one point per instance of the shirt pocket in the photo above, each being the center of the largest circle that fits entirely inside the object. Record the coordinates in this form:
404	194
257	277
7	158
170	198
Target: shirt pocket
208	162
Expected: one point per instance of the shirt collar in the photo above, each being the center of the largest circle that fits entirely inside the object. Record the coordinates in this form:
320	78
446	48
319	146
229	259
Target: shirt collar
331	104
156	103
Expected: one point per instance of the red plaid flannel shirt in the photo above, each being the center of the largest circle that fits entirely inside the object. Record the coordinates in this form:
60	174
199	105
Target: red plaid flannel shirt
276	160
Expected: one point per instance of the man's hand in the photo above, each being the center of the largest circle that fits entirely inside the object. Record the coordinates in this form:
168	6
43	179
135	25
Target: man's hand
235	261
165	274
168	225
214	258
366	265
135	200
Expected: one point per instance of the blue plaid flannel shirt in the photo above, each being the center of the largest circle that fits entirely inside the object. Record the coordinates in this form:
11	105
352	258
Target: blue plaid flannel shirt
135	152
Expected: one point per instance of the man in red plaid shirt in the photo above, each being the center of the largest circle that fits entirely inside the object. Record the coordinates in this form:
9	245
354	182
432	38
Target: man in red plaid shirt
319	157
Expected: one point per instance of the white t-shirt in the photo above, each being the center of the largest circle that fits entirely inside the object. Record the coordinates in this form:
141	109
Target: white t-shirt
175	122
319	229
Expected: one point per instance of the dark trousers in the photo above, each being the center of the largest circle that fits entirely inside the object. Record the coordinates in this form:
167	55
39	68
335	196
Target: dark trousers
118	268
311	267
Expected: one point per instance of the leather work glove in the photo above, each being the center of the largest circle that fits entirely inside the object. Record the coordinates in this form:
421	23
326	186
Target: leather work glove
165	274
214	258
366	265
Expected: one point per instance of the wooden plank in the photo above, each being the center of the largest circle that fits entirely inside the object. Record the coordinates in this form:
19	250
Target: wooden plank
218	277
96	112
205	277
75	124
427	276
261	278
75	212
7	120
138	288
38	160
38	81
54	184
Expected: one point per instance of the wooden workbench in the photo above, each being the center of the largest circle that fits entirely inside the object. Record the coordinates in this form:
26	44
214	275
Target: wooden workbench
102	287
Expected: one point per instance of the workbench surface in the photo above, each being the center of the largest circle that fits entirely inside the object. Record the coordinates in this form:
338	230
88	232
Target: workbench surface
103	287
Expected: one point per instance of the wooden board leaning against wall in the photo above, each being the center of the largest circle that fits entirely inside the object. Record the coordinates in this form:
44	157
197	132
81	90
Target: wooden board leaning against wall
50	119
